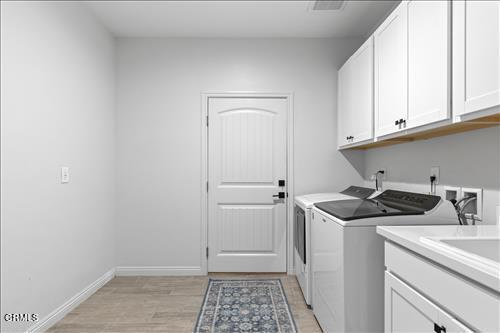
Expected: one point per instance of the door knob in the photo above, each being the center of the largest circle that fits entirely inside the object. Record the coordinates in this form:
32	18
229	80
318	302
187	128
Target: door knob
280	195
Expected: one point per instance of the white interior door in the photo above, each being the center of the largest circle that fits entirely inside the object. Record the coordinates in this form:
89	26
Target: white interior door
247	144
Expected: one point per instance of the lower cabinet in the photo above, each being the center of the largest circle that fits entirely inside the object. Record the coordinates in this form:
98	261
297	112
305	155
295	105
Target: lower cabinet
406	310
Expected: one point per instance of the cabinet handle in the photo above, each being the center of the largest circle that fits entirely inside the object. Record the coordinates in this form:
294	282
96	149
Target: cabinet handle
396	122
439	329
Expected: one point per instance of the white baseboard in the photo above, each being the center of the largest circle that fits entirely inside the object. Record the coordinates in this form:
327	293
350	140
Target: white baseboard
56	315
157	271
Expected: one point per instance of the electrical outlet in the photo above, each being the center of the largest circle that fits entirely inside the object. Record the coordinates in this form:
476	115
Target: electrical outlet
435	173
64	175
381	176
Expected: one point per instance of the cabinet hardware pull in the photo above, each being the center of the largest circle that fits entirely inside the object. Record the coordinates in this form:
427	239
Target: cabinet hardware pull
396	122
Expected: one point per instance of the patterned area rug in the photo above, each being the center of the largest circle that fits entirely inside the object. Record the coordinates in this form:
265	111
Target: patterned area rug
245	306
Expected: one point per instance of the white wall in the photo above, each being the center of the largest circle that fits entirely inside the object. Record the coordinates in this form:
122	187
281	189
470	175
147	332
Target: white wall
57	109
159	83
470	159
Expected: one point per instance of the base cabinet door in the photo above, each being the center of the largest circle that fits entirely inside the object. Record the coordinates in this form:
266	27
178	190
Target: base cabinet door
476	56
406	310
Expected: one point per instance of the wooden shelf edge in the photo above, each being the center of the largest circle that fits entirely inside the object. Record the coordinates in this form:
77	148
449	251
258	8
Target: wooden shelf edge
465	126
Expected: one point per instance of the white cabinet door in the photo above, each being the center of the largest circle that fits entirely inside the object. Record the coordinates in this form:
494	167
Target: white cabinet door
391	72
476	40
361	120
428	62
406	310
344	105
355	97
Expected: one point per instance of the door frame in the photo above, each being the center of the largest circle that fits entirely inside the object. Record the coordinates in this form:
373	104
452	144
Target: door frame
205	96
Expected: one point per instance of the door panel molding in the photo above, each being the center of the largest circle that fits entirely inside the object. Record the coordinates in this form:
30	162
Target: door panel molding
204	186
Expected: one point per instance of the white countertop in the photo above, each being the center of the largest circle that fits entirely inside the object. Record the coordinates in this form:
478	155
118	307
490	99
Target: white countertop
415	238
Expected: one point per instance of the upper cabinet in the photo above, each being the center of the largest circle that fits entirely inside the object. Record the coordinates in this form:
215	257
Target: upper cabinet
423	60
344	108
412	67
355	97
476	58
390	66
429	62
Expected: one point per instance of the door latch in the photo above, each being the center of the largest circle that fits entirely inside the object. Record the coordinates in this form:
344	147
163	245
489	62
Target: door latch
439	329
280	195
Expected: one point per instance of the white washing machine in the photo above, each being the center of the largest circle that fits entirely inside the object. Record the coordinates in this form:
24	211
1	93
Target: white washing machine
348	254
302	231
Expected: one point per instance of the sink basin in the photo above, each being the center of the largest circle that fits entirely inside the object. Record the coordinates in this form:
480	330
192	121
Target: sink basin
484	247
481	252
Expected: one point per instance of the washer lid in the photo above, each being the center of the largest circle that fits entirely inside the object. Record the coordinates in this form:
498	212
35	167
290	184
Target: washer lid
388	203
308	200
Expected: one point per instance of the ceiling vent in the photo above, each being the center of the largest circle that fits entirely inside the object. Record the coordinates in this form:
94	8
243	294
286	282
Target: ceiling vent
321	5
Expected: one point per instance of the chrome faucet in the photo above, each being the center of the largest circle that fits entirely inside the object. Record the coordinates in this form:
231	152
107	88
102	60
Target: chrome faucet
463	217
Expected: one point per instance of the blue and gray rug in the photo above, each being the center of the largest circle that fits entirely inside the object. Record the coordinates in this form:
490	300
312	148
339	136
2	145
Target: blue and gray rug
245	306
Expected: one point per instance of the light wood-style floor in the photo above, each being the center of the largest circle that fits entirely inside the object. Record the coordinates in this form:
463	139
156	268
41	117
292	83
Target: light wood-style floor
163	304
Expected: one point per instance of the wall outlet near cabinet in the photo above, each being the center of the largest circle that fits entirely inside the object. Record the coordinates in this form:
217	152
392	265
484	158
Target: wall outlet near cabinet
435	173
381	176
475	207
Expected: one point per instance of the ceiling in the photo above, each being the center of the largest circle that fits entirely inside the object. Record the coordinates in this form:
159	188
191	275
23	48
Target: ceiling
238	19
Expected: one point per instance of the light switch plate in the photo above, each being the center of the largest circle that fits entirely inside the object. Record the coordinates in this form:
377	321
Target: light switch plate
64	175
